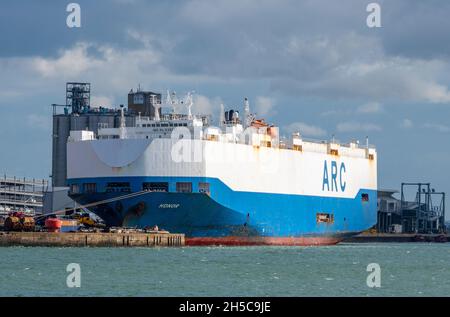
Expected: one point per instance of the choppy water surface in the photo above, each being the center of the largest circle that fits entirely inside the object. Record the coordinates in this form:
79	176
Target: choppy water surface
406	270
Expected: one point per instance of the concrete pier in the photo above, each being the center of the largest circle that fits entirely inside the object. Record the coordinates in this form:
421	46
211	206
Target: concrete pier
400	237
79	239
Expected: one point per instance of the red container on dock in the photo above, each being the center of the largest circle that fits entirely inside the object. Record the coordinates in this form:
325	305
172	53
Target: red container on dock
53	225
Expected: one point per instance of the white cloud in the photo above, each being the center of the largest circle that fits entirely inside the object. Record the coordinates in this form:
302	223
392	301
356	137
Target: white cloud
367	108
310	49
437	127
264	105
331	113
434	92
357	126
305	129
6	94
371	107
39	121
111	72
104	101
386	78
202	105
72	61
406	124
105	66
301	57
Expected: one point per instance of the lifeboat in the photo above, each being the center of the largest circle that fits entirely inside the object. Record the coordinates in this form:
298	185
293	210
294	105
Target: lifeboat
259	123
53	225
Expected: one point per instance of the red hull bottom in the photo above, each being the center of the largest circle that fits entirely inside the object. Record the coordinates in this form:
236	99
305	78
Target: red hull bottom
247	241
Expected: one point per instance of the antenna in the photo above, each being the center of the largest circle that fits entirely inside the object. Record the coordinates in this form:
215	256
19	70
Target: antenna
122	117
168	99
174	100
122	123
190	103
156	105
222	115
248	118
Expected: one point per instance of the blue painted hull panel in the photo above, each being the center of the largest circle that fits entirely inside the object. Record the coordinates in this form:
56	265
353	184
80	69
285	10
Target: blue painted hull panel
225	212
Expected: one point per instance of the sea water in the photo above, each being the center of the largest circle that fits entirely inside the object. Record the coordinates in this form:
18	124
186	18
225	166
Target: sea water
405	269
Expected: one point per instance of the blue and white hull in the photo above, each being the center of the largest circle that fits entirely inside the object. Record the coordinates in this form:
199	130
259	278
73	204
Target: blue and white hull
222	192
246	218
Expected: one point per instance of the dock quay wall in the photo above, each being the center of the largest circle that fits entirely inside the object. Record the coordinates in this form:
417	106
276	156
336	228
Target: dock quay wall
78	239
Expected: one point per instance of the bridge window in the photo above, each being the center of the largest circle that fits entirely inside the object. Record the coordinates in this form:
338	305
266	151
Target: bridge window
203	188
156	186
118	187
184	187
322	217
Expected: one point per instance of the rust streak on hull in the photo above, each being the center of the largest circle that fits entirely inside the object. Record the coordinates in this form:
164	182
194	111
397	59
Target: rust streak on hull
249	241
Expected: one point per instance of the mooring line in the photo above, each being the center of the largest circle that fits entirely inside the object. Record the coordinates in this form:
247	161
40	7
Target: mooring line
142	192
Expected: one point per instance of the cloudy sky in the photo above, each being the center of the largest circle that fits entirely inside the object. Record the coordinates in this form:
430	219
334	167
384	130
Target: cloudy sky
312	66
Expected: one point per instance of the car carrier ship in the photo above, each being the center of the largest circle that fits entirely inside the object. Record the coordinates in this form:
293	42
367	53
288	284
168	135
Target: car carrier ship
236	183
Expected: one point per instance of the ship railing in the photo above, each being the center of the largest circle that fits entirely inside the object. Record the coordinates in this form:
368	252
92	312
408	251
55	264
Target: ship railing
335	141
287	144
172	116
